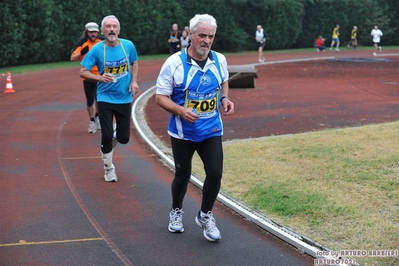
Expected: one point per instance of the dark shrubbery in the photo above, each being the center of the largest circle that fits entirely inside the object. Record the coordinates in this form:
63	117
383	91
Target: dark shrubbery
39	31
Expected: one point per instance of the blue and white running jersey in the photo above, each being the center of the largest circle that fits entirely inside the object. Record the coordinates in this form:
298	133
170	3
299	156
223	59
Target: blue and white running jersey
115	60
190	86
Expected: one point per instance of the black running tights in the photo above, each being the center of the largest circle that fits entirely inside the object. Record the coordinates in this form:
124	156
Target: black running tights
211	153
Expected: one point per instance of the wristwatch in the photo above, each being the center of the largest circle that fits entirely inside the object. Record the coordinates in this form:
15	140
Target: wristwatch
228	98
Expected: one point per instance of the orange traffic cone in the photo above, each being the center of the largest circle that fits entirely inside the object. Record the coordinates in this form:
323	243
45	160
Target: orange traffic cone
9	88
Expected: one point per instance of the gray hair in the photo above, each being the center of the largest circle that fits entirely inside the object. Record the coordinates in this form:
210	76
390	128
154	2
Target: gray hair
110	16
202	18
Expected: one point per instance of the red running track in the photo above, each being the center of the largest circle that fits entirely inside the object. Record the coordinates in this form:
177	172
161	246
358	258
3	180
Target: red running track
57	210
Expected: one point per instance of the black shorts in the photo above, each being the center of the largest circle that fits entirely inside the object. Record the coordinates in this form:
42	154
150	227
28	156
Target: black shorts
260	44
122	114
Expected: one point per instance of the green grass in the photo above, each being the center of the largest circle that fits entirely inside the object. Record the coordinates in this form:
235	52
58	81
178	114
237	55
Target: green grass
340	187
37	67
285	201
41	67
66	64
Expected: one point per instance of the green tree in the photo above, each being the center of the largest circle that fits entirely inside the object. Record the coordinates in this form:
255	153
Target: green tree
38	31
284	23
379	15
13	32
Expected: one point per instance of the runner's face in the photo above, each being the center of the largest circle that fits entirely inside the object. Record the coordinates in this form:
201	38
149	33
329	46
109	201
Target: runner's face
111	29
93	35
202	39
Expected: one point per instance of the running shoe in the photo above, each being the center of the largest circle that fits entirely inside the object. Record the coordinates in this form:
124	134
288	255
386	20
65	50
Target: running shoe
92	127
176	221
208	224
110	175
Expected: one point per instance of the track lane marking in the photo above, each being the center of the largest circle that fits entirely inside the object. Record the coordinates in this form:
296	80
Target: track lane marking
26	243
99	157
80	202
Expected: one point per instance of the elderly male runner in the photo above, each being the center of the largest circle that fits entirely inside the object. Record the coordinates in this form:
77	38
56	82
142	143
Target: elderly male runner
193	86
116	60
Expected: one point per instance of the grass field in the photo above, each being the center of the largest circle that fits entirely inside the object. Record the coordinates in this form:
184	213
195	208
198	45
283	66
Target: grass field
338	187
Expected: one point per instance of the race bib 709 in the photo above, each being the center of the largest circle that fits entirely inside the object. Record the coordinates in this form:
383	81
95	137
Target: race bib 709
203	104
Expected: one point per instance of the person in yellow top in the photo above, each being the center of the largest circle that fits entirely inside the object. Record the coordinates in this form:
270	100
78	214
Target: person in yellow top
89	38
353	41
335	38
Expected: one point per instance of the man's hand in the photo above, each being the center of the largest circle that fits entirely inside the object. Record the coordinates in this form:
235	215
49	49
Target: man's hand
227	106
190	115
85	50
134	87
107	78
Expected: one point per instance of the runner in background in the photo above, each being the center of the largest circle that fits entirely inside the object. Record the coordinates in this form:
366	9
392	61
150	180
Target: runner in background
376	33
353	41
117	62
89	38
260	42
335	38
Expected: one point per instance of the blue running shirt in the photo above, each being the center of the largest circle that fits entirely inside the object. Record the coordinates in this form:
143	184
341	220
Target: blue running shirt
115	60
190	86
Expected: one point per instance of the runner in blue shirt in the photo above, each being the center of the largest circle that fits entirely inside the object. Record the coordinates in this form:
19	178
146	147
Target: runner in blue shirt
116	60
193	86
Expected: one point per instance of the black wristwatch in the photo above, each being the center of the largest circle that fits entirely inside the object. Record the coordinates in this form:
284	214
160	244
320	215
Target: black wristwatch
228	98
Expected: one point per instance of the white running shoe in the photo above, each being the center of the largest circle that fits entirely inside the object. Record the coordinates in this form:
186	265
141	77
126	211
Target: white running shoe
380	48
337	49
92	127
208	224
98	125
176	221
110	175
375	54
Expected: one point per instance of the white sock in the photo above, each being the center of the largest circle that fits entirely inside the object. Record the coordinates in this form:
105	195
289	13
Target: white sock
203	214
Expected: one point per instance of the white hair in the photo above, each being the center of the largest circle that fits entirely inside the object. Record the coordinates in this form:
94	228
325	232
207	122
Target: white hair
202	18
108	17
